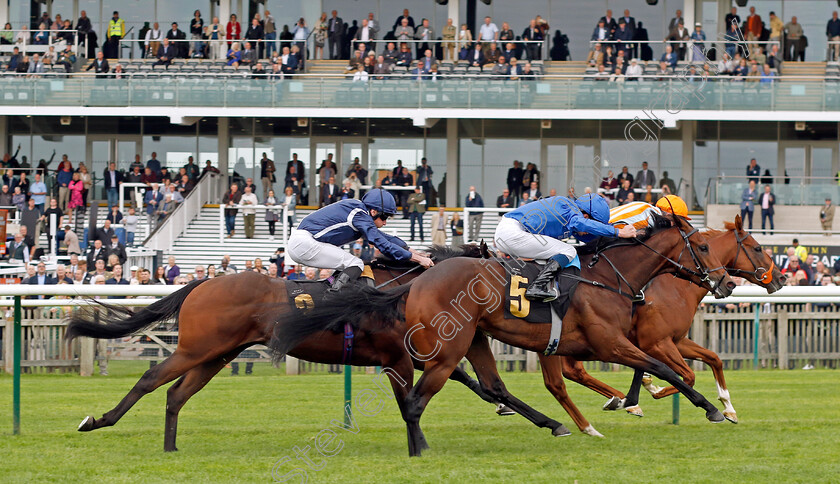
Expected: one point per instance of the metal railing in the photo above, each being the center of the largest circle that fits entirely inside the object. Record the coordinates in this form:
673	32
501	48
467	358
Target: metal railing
28	45
221	46
787	190
207	190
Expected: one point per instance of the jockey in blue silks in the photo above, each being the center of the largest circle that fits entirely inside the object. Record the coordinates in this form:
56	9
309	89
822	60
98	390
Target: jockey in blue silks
534	231
317	240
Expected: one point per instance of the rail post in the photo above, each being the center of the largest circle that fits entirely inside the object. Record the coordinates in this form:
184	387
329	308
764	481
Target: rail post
18	349
348	391
675	409
755	334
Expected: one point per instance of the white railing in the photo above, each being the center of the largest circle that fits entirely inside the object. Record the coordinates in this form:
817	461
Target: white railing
138	194
29	47
786	295
286	229
206	191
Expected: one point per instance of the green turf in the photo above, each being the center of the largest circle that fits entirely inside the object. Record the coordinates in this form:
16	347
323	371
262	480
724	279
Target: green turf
238	427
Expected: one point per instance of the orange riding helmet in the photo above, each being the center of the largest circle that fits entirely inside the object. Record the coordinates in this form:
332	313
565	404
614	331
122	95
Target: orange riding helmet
673	204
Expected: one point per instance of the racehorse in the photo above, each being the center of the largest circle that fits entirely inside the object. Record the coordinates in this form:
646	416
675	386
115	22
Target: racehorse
219	318
661	325
442	329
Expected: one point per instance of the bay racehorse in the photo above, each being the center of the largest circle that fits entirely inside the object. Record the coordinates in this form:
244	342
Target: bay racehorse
447	305
219	318
661	325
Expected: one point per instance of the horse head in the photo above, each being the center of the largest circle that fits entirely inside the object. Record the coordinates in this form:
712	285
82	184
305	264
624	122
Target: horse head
746	258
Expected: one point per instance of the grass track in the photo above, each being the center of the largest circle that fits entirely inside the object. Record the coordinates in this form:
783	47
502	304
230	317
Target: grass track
238	427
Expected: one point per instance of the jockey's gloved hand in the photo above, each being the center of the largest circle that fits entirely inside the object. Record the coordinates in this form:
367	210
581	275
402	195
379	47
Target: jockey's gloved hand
422	260
419	252
627	232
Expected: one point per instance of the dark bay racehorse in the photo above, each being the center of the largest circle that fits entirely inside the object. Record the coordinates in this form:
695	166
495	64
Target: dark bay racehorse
447	304
219	318
661	325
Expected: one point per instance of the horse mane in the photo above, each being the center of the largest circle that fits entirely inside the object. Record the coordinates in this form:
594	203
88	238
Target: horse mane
727	227
439	253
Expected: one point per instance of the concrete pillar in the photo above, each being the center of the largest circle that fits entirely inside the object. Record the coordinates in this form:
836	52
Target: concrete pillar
4	132
4	11
453	11
452	162
292	365
223	145
86	356
688	130
223	13
689	14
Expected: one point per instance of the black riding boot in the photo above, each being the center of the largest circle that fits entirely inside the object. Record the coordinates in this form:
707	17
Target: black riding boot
542	289
347	277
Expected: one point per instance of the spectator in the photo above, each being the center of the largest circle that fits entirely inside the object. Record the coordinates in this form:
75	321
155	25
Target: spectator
18	199
666	181
766	201
71	241
320	36
416	209
234	55
61	276
288	61
774	59
492	54
153	39
794	50
41	278
634	70
505	200
172	270
382	69
748	198
754	27
732	38
767	76
525	200
153	199
165	208
476	57
404	31
448	32
832	32
438	227
38	192
335	35
624	175
465	40
644	177
209	168
347	191
114	216
474	200
255	34
623	192
18	250
776	28
329	192
669	58
609	183
424	34
533	192
596	56
753	171
104	233
533	36
248	57
354	184
249	214
36	66
67	58
233	30
699	39
456	227
271	214
679	34
117	277
531	175
115	248
403	179
827	216
488	32
96	252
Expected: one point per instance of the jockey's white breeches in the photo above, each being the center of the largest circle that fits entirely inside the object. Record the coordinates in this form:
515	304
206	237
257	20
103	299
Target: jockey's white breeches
514	240
304	249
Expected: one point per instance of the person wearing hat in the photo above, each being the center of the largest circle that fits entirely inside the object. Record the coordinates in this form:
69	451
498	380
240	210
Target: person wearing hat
827	216
117	248
634	70
698	38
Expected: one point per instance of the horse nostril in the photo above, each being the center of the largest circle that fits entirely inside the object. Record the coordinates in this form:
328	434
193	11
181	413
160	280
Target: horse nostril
731	285
783	279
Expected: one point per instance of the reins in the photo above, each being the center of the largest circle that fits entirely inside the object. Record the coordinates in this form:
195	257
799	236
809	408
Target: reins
766	277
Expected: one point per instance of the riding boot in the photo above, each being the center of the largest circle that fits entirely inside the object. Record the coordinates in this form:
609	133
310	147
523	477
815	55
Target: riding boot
348	276
543	286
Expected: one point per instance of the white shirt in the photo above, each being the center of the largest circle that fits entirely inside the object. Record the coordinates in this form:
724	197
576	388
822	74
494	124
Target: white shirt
602	34
249	197
488	32
365	35
361	76
765	201
153	35
634	70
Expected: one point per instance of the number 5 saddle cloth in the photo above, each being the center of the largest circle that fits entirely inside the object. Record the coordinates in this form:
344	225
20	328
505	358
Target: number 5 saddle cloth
518	275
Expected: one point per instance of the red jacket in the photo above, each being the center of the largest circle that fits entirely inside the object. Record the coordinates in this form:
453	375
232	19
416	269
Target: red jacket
234	31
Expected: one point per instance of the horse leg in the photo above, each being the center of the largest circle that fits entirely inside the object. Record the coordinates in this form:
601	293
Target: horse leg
160	374
464	378
693	351
552	370
433	379
631	402
667	352
573	370
621	350
187	386
481	358
402	378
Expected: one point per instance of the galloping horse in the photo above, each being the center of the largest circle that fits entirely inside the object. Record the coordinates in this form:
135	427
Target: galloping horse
662	323
221	317
442	329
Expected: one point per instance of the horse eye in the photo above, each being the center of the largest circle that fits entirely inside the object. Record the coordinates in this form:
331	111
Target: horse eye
757	249
704	248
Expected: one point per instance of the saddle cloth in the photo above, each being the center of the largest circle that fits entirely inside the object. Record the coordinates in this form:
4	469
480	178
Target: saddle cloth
517	278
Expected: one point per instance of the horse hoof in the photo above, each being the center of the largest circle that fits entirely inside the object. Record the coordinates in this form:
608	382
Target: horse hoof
561	431
87	424
173	449
635	410
612	404
715	416
504	410
731	417
590	430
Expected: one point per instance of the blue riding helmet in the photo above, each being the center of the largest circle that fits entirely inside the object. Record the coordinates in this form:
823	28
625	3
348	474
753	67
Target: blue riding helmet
383	202
596	206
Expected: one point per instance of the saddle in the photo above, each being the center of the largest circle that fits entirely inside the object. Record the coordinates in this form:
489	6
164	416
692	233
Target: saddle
302	294
519	274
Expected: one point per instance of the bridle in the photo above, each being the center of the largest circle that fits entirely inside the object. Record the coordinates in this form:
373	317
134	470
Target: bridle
699	271
765	277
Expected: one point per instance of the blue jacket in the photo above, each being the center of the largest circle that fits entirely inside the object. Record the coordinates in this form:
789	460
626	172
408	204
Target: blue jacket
560	218
346	221
64	178
748	199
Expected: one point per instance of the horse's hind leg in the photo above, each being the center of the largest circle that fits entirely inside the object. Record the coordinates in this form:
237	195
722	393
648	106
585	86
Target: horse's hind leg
573	370
693	351
552	370
464	378
160	374
187	386
481	358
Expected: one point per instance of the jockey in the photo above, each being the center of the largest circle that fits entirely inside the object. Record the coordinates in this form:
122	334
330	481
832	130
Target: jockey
639	214
534	231
317	240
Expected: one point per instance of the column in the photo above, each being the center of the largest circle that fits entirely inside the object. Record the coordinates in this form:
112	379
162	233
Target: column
453	11
4	11
452	163
689	129
223	146
4	133
690	13
223	13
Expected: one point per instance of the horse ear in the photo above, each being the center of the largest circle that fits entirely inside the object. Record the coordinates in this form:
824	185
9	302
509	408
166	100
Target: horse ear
485	251
739	224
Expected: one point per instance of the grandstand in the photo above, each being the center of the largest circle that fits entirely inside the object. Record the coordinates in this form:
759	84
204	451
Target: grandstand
701	118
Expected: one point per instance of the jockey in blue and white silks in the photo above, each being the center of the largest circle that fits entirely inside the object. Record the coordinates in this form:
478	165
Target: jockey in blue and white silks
317	240
534	231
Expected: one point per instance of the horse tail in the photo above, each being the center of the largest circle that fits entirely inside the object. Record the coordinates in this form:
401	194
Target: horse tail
119	321
354	304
